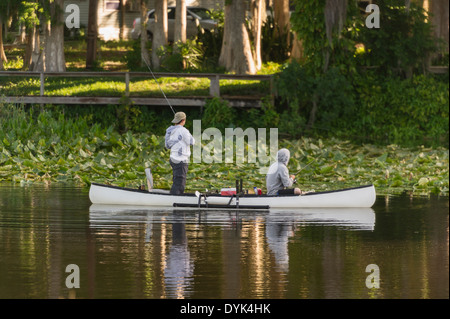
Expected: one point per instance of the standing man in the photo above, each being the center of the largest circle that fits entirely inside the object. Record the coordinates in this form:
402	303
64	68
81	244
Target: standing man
179	141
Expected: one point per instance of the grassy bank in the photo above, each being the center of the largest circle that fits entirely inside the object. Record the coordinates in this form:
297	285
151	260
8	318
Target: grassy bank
112	56
48	147
103	86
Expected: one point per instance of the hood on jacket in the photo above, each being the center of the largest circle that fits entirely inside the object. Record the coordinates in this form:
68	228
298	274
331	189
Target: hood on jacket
169	131
171	128
283	156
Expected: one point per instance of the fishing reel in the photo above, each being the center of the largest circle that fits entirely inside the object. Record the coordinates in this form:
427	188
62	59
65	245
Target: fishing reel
294	180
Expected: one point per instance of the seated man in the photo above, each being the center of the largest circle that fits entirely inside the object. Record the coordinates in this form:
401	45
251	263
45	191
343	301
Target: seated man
278	179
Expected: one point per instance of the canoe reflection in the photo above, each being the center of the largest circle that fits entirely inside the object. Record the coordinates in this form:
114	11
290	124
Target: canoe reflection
180	239
116	215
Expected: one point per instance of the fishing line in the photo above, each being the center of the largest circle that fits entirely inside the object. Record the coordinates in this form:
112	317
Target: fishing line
148	66
307	165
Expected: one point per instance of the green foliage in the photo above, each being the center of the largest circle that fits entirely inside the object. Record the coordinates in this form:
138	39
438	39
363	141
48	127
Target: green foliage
265	117
308	20
403	42
275	45
309	23
45	145
147	86
212	40
367	106
29	12
300	88
269	116
128	116
132	57
180	56
408	112
218	114
376	105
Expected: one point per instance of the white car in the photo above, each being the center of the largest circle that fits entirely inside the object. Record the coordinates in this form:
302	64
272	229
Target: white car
195	17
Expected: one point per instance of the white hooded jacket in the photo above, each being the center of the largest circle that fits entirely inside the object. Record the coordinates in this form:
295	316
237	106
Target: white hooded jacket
278	175
178	140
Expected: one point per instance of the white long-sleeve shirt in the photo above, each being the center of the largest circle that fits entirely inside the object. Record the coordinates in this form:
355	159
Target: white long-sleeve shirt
179	141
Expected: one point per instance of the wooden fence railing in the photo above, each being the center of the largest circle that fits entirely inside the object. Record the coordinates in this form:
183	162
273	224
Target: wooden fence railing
214	89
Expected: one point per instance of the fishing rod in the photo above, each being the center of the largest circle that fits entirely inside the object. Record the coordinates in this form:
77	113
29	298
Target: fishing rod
306	166
148	66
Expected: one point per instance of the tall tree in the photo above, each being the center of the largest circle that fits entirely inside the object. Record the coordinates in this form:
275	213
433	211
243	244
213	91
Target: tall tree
92	34
3	58
144	36
121	19
297	48
29	13
236	54
180	21
4	7
257	8
52	58
439	18
282	16
160	34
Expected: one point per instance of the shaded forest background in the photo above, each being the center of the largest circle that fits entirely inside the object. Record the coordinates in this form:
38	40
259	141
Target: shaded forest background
334	76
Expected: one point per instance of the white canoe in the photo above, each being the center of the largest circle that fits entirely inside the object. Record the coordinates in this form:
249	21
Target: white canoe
362	196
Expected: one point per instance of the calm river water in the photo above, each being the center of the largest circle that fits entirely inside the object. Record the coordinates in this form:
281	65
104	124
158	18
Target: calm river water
402	244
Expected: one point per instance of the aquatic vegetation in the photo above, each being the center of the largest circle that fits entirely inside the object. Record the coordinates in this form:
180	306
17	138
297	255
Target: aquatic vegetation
50	148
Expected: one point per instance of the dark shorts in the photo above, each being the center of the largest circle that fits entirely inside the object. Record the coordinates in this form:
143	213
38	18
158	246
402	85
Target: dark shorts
287	191
179	177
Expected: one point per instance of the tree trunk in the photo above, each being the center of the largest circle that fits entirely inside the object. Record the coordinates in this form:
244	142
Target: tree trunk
297	48
36	49
121	19
22	33
236	54
29	47
92	34
180	27
282	18
180	22
145	59
160	36
52	57
3	58
440	11
257	23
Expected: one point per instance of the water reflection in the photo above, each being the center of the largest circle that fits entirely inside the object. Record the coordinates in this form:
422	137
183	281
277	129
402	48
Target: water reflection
167	253
110	216
179	266
258	238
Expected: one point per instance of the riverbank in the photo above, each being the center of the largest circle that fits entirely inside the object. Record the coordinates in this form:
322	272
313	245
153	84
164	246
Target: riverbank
50	149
